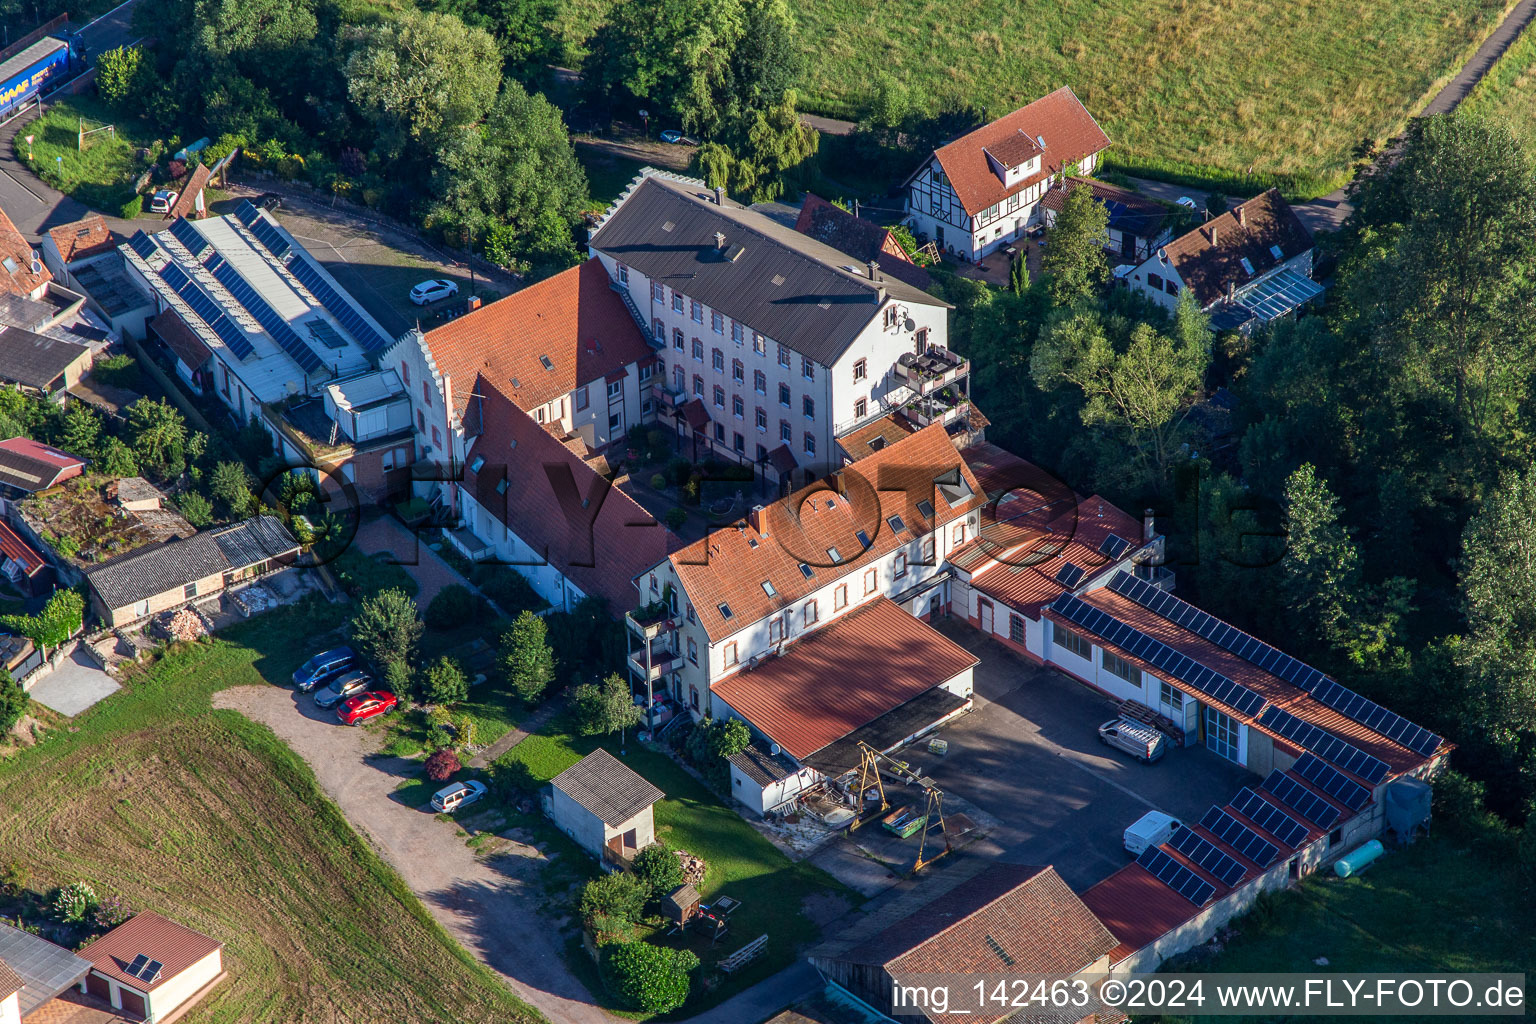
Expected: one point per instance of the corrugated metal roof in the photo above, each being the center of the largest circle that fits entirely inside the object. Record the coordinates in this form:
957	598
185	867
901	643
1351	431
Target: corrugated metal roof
784	285
176	946
45	969
880	656
607	787
149	571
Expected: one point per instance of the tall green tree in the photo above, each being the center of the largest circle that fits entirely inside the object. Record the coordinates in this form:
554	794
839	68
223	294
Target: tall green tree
387	629
159	435
1074	259
526	659
605	707
421	79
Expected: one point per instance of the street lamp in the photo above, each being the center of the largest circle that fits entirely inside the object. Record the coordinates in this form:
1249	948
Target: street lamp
645	119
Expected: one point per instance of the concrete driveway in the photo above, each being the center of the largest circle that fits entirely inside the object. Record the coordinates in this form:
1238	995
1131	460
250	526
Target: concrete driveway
488	904
75	685
1030	757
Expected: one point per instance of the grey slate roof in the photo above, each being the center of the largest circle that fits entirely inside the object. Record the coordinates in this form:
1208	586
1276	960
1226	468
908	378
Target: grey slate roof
605	786
816	309
149	571
45	969
761	766
35	360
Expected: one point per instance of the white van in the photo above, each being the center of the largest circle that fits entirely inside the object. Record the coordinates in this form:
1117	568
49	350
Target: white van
1138	739
1151	829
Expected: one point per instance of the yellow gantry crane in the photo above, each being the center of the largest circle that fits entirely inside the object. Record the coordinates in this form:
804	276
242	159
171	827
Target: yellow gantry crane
870	762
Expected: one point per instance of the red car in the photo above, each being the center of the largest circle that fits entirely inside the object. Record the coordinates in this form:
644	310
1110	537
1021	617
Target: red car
357	710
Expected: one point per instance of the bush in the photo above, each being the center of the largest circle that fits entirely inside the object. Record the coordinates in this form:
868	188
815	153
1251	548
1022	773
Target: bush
611	905
1458	805
132	209
512	778
658	867
679	469
658	482
195	509
400	680
13	701
111	912
711	743
454	606
442	766
647	977
675	518
73	901
445	683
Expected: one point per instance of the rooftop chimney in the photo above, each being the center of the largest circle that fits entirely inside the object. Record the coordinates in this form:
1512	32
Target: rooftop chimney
1213	234
474	303
759	519
1242	216
874	270
719	195
720	240
1148	525
880	295
1231	290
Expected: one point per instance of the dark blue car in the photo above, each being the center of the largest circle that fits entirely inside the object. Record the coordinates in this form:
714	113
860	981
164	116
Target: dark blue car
322	668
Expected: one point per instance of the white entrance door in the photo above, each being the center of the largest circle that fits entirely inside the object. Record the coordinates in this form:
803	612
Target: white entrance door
986	616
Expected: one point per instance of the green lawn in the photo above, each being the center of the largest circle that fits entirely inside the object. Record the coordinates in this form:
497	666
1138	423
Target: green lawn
1508	91
208	818
607	175
360	573
101	176
741	862
1436	904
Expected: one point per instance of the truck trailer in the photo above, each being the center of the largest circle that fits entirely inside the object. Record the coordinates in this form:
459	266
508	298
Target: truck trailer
36	69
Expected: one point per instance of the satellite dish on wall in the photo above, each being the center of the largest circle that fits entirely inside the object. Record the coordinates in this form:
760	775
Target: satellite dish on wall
909	324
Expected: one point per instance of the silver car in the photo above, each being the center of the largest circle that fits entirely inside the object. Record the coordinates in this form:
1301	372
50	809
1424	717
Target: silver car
341	688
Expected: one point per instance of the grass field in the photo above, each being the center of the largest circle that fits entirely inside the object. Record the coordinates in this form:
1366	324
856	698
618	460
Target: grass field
102	175
1435	903
1209	88
774	891
208	818
1508	91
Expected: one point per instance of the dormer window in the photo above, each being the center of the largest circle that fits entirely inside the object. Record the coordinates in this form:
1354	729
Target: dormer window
1247	266
768	589
1275	251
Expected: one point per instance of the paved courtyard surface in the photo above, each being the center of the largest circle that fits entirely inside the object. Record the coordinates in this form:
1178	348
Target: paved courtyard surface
1029	756
409	549
77	684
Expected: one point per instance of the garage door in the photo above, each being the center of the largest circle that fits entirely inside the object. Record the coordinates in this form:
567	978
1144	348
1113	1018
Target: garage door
133	1003
97	986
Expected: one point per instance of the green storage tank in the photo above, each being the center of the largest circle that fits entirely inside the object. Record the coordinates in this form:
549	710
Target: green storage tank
1352	863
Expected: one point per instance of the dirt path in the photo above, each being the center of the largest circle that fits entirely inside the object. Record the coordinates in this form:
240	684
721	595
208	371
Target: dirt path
490	905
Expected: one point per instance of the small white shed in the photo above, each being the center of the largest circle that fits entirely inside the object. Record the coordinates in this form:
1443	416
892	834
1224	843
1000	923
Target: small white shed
150	966
604	806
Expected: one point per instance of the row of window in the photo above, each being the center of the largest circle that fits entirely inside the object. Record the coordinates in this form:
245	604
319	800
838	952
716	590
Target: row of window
1157	284
719	323
1170	698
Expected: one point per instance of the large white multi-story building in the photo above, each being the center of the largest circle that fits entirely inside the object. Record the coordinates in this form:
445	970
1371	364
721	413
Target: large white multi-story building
982	191
772	344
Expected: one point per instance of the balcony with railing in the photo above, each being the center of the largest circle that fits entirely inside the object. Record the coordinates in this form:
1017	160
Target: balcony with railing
652	660
946	406
651	621
935	369
1159	576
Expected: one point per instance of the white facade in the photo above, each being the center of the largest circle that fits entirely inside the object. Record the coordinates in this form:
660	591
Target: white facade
512	554
935	212
760	393
763	798
368	406
591	832
1158	279
10	1006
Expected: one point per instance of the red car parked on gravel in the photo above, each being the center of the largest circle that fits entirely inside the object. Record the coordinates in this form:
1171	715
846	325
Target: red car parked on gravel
357	710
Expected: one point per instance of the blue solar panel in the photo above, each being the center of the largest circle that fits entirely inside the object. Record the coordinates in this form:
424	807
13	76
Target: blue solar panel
1239	836
246	213
1269	818
1159	655
1345	755
1114	546
270	322
174	276
270	237
233	335
1335	783
188	235
1069	576
1298	673
142	244
1301	800
1207	857
1176	876
309	276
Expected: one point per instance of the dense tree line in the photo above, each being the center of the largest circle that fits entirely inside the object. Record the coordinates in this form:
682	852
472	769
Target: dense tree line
1373	506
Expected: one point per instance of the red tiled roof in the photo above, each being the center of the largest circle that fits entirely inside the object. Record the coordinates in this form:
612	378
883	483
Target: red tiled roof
10	981
730	565
879	656
1033	525
864	240
176	946
1039	922
19	551
1207	267
601	559
1136	908
15	247
186	200
1070	132
178	337
575	319
65	464
875	435
82	238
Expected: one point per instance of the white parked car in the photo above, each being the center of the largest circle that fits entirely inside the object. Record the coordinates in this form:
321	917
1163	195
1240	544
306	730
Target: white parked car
1187	203
460	794
432	291
162	201
1151	829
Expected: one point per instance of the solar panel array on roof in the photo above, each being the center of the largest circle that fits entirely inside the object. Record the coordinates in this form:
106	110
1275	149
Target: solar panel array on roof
1269	818
1276	662
142	244
1158	654
174	276
1325	744
1239	836
1069	576
246	213
233	335
270	237
193	295
1207	856
1301	800
309	275
212	260
1176	876
187	234
1331	781
270	321
1114	546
